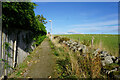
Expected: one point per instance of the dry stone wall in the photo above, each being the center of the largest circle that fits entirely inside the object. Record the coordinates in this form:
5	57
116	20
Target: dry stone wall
106	58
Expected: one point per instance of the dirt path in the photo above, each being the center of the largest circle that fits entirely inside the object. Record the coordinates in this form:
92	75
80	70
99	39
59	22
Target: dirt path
44	64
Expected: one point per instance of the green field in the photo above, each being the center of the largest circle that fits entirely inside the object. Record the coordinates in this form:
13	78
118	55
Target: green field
107	42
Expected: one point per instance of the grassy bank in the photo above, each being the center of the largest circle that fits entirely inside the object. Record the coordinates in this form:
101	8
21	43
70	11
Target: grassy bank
106	42
74	65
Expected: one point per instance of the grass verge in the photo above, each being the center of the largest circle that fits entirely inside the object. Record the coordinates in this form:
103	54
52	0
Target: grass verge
107	42
74	65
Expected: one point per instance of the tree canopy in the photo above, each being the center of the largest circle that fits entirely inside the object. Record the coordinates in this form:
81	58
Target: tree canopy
21	15
41	19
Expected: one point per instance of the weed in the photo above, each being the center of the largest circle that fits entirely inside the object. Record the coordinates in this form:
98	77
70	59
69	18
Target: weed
56	53
111	66
64	39
21	67
90	66
56	37
75	65
86	42
51	44
18	74
64	68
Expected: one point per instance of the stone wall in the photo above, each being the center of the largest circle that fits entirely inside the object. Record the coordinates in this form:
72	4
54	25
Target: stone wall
106	59
19	45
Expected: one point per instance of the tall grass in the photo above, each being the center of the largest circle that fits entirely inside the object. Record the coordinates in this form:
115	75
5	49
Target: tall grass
106	42
75	65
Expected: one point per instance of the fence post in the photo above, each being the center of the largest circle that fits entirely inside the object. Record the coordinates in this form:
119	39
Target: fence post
0	51
0	38
3	53
14	53
78	40
92	41
6	56
11	52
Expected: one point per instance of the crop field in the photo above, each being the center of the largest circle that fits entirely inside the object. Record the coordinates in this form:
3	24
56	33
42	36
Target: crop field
105	42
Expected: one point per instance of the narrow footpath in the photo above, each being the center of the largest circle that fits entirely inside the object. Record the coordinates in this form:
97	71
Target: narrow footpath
44	65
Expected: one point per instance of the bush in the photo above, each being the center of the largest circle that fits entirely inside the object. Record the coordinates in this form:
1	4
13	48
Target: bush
56	53
64	39
56	37
39	39
86	42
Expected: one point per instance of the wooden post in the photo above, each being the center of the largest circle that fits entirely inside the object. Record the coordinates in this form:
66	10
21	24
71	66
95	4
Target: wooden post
4	50
14	53
78	40
3	53
92	41
6	56
0	30
0	38
11	53
0	54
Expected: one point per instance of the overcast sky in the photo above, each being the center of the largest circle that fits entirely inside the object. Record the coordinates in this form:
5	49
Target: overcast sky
80	17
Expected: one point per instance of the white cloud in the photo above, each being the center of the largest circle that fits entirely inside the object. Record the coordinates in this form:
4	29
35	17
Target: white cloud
72	31
102	29
105	23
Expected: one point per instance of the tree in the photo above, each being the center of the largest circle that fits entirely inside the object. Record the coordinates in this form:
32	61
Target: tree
18	15
41	19
21	15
